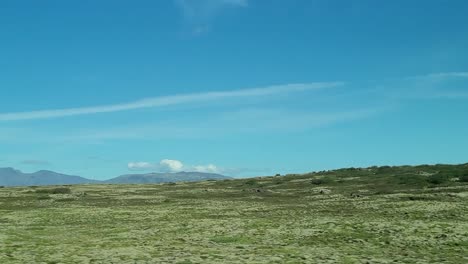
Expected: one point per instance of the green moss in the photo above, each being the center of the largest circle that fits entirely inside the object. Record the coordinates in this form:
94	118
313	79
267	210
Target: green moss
375	215
230	239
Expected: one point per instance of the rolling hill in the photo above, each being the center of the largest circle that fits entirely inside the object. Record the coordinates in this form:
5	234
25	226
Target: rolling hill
12	177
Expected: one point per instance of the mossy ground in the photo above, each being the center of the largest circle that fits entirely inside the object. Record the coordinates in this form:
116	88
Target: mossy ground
376	215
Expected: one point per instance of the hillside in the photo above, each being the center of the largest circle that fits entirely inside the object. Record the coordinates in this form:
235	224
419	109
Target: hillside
374	215
12	177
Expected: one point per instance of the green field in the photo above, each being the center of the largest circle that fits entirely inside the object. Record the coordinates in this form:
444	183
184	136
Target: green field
374	215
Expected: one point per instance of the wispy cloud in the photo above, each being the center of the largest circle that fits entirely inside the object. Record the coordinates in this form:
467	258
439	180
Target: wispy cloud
199	14
173	166
256	121
141	166
210	168
371	100
35	162
169	165
167	101
441	75
442	85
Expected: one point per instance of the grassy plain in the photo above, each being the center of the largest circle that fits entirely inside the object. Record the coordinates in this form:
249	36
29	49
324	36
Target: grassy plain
374	215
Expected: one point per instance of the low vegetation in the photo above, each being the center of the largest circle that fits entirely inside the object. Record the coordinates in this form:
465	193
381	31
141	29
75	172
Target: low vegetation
58	190
374	215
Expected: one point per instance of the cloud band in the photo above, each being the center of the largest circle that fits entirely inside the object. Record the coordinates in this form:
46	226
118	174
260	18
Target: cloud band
166	101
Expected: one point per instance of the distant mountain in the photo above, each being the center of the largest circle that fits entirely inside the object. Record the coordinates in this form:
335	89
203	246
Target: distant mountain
165	177
12	177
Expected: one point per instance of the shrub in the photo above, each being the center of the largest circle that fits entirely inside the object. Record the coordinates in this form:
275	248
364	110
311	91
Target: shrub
417	180
66	200
420	198
437	179
463	178
251	182
384	169
317	181
44	197
58	190
320	181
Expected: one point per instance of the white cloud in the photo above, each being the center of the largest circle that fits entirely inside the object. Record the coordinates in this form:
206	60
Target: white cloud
167	101
210	168
206	9
442	85
170	165
236	2
247	121
442	75
140	166
165	165
199	14
35	162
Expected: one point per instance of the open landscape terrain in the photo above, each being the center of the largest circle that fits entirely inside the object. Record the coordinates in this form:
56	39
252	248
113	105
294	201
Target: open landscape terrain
233	131
374	215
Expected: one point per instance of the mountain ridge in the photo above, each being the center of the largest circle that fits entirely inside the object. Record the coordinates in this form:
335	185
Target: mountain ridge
10	176
165	177
13	177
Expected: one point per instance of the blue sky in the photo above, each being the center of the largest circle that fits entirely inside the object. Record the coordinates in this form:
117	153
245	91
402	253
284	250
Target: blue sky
240	87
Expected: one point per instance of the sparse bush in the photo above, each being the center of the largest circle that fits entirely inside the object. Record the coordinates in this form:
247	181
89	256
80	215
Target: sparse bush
382	188
384	169
66	200
278	181
321	181
438	179
317	181
43	197
61	190
1	186
419	198
417	180
58	190
250	182
463	178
